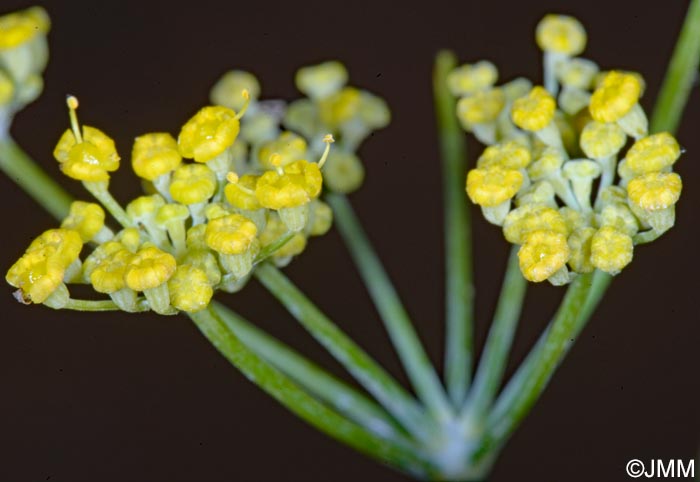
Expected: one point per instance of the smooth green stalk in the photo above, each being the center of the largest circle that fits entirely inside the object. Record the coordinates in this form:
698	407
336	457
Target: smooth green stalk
329	389
528	383
367	371
100	191
459	288
493	360
100	305
416	362
32	179
680	75
297	400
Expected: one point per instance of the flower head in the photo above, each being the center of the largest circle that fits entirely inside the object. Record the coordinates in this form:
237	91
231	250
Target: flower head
87	219
543	254
611	250
653	153
534	111
320	81
655	191
149	268
208	133
154	155
615	96
471	78
232	234
192	184
561	34
493	185
297	184
190	289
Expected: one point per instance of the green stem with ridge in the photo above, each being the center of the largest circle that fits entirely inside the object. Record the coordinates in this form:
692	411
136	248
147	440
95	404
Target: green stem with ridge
289	394
367	371
459	288
33	179
493	360
329	389
682	71
405	339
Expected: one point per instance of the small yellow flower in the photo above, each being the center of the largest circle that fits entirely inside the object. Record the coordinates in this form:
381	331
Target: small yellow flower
580	247
149	268
274	230
232	234
90	160
154	155
611	250
98	256
540	192
288	146
298	184
546	165
241	193
543	254
320	81
534	111
227	90
321	216
480	108
471	78
20	27
655	191
109	275
620	217
561	34
192	184
508	155
205	260
600	140
189	289
522	221
653	153
615	96
85	218
493	185
39	272
343	172
208	133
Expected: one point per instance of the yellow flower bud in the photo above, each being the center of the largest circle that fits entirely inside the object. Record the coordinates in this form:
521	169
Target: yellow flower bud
288	146
65	244
98	256
204	260
580	247
507	155
232	234
208	133
546	165
90	160
227	90
653	153
543	254
321	218
154	155
540	192
620	217
534	111
373	111
108	275
493	185
241	194
299	183
480	108
600	140
192	184
20	27
189	289
561	34
149	268
85	218
655	191
611	250
343	172
274	230
320	81
615	96
37	274
471	78
130	238
529	218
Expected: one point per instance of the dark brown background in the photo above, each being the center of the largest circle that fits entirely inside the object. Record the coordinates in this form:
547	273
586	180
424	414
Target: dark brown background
114	397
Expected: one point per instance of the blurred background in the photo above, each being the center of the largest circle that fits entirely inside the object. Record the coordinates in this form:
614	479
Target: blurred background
112	397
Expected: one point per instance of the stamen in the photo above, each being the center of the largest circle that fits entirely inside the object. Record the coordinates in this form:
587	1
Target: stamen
73	103
246	96
328	139
233	178
276	161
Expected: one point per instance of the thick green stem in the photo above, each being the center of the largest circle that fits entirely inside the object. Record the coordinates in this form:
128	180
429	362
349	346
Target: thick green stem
459	289
297	400
329	389
100	190
680	75
32	179
404	337
528	383
493	360
367	371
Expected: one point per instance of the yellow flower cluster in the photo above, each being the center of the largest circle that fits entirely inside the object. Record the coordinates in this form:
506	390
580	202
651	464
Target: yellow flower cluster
23	57
230	191
555	174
